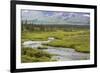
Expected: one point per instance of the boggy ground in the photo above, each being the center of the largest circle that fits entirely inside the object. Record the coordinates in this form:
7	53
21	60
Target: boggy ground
78	40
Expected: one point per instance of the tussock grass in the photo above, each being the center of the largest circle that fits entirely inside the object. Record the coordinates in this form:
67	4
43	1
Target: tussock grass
77	39
29	55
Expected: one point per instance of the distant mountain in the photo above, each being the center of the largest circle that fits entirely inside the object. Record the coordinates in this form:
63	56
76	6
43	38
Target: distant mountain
53	17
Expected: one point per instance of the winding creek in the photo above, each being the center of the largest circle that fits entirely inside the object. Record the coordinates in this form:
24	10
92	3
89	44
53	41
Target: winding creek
62	54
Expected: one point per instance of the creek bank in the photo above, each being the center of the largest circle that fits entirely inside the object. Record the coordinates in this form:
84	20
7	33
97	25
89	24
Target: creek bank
62	54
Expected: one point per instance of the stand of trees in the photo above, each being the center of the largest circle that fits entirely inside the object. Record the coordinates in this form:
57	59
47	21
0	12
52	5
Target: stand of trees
51	27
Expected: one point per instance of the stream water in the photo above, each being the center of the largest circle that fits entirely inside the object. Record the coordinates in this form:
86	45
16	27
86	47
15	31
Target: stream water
62	54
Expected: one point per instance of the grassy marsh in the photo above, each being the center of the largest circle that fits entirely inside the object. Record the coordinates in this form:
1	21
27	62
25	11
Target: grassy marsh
78	40
29	55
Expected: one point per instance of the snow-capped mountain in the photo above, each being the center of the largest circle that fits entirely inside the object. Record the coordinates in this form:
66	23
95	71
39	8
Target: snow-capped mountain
55	17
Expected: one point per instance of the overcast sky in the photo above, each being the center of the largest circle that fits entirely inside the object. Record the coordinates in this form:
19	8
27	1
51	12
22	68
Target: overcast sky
55	17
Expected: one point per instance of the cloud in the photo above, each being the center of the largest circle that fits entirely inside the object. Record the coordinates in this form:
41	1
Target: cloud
86	15
52	17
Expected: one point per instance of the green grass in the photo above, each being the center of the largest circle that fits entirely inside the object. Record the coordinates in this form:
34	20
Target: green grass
29	55
77	39
35	36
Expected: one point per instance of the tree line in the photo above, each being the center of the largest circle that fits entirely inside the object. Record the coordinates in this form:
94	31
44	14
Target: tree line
51	27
